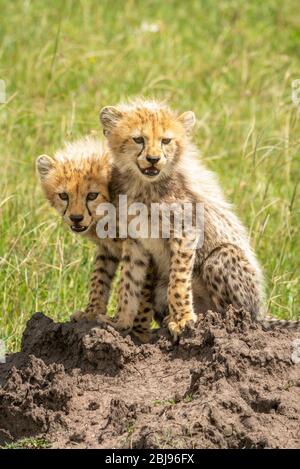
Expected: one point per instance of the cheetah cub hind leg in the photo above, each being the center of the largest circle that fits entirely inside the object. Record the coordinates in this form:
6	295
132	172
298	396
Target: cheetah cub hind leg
230	279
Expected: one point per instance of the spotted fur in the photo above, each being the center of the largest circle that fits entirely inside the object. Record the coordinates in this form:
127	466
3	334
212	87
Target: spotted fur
224	270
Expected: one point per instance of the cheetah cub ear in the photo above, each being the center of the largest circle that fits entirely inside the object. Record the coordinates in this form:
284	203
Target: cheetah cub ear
44	164
188	120
109	116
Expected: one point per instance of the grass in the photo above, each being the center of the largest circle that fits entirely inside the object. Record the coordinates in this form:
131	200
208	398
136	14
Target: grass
231	62
28	443
158	402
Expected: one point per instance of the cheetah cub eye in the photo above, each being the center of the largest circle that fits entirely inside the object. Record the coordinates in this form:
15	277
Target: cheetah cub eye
138	140
166	141
92	195
63	196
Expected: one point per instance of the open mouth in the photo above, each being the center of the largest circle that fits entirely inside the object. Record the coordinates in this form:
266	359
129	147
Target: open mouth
151	171
78	228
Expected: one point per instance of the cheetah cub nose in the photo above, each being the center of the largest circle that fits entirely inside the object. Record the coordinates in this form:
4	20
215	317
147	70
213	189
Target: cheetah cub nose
153	159
76	218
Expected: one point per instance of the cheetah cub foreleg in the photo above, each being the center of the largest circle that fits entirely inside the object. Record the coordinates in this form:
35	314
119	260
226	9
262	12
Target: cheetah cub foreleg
180	297
105	266
142	323
135	262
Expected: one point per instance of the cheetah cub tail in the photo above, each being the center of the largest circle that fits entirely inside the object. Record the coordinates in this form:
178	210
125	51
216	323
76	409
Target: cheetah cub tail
270	323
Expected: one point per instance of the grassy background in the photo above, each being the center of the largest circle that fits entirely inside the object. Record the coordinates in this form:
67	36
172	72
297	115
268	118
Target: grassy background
232	62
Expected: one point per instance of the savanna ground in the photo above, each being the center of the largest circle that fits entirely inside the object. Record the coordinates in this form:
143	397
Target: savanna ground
231	62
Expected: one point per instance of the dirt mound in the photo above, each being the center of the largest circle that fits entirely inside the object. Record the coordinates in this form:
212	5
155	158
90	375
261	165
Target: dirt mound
229	384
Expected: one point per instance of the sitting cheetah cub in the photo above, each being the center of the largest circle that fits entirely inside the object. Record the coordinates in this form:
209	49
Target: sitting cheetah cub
156	162
75	181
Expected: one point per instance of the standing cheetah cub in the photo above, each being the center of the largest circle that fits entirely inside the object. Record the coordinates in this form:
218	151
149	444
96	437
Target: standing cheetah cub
155	162
75	182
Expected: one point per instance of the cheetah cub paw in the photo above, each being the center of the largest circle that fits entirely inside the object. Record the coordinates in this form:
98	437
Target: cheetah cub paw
176	328
123	325
91	315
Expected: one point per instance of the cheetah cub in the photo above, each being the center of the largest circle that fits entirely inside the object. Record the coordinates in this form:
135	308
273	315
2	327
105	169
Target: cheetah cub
155	161
75	181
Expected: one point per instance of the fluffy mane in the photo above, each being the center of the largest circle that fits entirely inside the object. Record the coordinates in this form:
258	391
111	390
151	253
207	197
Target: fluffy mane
86	148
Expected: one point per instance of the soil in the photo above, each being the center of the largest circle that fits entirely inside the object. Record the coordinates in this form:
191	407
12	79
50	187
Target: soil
228	384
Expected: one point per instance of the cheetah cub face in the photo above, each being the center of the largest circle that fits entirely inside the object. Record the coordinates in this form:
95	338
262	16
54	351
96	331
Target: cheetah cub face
75	184
146	138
